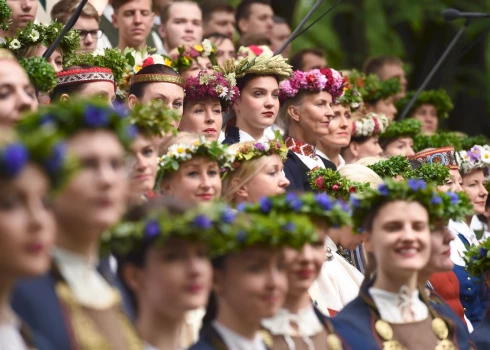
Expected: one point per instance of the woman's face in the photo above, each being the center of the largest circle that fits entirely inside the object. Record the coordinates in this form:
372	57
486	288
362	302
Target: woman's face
454	183
427	114
368	148
175	279
315	113
56	59
198	64
144	170
400	147
304	265
339	128
197	180
253	283
440	257
203	117
17	95
96	196
171	94
27	225
386	107
474	186
226	50
269	181
258	103
400	238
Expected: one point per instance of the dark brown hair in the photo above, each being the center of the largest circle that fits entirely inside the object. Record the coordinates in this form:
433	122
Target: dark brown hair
297	60
138	89
243	10
209	7
69	89
116	4
374	65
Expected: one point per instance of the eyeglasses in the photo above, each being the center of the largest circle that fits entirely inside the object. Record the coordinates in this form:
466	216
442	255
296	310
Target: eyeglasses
93	33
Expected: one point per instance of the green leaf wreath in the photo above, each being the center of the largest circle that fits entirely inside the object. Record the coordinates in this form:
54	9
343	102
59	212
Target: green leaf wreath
391	167
477	259
404	128
5	16
437	98
371	88
437	174
334	184
438	140
154	118
41	74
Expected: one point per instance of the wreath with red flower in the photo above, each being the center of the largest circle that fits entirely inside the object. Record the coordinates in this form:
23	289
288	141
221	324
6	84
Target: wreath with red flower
332	183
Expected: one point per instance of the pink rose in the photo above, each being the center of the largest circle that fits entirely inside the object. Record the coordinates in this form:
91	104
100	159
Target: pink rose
335	187
319	182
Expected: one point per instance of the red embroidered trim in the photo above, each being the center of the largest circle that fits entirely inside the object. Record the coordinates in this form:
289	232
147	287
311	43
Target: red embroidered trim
85	75
300	147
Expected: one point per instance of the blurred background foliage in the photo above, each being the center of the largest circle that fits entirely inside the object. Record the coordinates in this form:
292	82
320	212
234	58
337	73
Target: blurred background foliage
414	31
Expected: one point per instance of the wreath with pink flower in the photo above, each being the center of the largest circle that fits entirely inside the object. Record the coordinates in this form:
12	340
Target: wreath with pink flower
187	54
212	85
325	79
334	184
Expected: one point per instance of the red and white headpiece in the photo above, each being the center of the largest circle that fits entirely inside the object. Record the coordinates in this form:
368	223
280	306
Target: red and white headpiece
85	75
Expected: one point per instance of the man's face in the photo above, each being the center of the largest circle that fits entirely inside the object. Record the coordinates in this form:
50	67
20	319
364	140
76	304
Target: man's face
183	27
222	22
89	31
312	61
259	22
280	33
23	11
134	21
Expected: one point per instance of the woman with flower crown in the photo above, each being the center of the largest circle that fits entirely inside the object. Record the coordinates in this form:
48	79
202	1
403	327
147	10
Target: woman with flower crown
190	167
397	139
472	166
365	138
255	171
74	305
19	95
396	219
31	167
300	323
306	112
162	250
190	60
250	278
255	110
207	97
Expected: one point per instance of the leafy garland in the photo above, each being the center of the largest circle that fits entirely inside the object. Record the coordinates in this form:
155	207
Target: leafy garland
371	88
41	74
391	167
435	173
70	117
5	16
438	140
404	128
112	59
335	213
477	259
45	34
437	98
154	118
469	141
440	206
187	54
334	184
478	157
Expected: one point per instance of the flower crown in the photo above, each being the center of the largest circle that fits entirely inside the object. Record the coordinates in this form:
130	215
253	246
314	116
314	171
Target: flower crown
404	128
45	34
443	155
70	117
477	259
437	174
350	96
334	184
187	54
212	85
154	118
391	167
179	153
372	89
438	98
478	157
85	75
112	59
201	224
41	74
5	16
440	206
45	148
370	125
313	81
335	213
248	152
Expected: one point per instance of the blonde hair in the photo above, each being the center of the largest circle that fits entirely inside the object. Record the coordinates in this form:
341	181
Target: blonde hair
283	119
30	51
370	160
360	173
245	172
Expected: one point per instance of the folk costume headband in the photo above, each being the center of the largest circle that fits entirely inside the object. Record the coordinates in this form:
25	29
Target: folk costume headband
85	75
158	78
445	156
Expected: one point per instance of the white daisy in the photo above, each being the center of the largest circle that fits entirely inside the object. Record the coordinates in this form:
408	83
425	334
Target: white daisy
207	47
14	44
34	35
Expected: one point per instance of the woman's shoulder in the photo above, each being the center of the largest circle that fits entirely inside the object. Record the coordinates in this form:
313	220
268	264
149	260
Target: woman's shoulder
202	344
232	135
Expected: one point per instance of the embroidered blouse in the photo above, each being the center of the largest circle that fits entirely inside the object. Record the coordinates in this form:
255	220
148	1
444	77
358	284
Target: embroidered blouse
305	152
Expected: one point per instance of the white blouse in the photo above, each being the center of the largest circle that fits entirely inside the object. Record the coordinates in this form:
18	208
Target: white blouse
458	248
388	304
236	342
341	159
10	337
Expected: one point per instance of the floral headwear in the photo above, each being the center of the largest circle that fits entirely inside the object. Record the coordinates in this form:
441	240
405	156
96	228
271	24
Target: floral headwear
249	151
370	125
325	79
45	34
437	174
179	153
41	74
350	96
85	75
334	212
372	89
444	155
72	116
440	206
404	128
334	184
187	54
477	259
45	148
5	16
212	85
478	157
438	98
391	167
254	51
154	118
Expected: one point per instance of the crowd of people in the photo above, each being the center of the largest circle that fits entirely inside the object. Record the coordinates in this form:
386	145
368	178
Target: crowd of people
169	180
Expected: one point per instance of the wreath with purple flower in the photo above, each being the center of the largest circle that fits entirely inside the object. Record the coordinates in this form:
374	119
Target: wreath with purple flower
477	259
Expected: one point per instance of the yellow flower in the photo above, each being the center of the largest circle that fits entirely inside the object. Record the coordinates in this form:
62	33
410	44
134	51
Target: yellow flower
187	60
199	47
137	69
180	150
168	62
